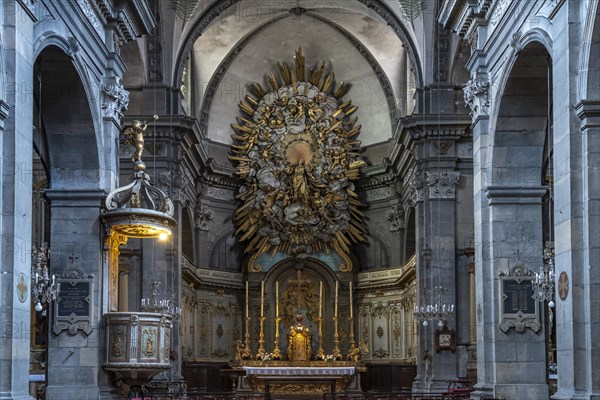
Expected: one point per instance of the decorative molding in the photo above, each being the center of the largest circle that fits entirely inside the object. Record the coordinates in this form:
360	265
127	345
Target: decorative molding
396	218
418	186
477	95
382	193
29	8
499	10
115	99
202	217
442	185
91	15
220	194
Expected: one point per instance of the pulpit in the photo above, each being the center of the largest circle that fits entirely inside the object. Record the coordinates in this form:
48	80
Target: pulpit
299	343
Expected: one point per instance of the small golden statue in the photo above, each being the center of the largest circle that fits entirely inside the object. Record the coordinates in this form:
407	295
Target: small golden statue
299	347
135	137
149	347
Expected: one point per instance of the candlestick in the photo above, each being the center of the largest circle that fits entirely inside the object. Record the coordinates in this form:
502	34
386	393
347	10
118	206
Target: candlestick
276	299
351	299
336	299
320	299
262	298
247	299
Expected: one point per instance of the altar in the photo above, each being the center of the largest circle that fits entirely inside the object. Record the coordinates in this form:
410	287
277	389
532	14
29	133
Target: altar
306	380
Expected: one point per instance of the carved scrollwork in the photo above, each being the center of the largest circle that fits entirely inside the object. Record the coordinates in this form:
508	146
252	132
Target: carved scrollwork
202	217
477	95
396	218
115	99
442	185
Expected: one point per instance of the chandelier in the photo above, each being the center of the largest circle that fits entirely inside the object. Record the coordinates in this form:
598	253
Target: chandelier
438	310
543	284
43	288
166	306
139	210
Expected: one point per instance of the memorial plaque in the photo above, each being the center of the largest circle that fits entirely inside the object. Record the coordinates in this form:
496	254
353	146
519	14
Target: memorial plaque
74	298
518	308
73	307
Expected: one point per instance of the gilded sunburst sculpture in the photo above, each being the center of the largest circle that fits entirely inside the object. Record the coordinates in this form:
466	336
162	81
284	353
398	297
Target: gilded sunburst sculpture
297	156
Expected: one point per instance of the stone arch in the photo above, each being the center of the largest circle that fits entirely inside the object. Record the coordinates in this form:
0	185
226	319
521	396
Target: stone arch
410	235
520	119
217	79
590	69
226	253
513	224
373	254
67	124
221	6
187	235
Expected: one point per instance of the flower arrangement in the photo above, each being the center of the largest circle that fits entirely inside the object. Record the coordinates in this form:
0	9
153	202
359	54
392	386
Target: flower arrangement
552	367
266	356
329	358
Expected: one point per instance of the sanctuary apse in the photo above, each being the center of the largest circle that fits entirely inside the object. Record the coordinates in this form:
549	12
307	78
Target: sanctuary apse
241	198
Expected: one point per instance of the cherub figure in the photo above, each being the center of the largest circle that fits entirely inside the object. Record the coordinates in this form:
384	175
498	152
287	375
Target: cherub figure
135	137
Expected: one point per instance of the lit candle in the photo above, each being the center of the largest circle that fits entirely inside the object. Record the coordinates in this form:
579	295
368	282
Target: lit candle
246	299
262	298
276	299
350	299
36	278
53	278
336	298
320	299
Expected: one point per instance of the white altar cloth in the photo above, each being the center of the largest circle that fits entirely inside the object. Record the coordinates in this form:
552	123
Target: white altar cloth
303	371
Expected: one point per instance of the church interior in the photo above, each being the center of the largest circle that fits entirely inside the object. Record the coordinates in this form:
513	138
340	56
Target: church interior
300	199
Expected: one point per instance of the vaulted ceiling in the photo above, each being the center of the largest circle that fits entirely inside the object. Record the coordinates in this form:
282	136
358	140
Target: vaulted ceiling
245	41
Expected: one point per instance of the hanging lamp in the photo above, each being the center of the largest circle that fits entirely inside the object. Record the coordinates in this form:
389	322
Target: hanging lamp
139	210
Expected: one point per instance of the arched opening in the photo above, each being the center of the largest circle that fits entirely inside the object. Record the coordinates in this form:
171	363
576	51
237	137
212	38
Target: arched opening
66	196
410	236
66	123
227	254
520	209
187	236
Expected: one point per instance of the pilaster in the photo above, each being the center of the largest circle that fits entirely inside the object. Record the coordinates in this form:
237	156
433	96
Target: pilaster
74	358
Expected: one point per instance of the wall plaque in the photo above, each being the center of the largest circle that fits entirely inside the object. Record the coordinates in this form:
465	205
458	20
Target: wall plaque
518	308
73	306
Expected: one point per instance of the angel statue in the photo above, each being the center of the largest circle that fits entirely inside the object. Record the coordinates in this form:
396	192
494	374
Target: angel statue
135	137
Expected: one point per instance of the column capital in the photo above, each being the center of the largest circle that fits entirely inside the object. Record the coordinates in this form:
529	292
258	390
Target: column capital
442	184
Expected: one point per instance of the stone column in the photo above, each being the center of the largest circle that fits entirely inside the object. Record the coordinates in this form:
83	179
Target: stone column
577	257
589	113
74	356
16	30
435	269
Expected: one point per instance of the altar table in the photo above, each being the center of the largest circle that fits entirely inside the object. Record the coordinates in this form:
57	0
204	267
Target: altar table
300	376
